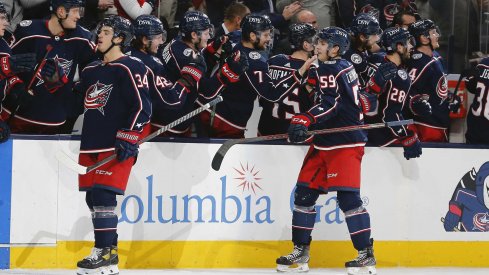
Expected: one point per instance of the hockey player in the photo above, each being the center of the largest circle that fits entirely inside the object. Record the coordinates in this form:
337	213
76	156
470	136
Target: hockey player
429	80
335	84
117	110
195	31
71	48
10	84
393	84
231	116
165	95
478	115
275	116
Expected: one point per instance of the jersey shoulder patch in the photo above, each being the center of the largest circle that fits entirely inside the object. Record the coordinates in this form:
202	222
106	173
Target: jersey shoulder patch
356	58
417	56
25	23
402	74
254	55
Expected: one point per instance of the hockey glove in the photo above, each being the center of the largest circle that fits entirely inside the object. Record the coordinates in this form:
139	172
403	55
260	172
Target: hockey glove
4	131
192	72
454	103
368	101
452	218
18	93
126	144
14	64
298	127
419	105
233	68
385	72
214	47
412	146
312	77
53	74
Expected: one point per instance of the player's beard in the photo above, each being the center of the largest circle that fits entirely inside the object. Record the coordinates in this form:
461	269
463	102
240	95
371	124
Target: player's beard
405	56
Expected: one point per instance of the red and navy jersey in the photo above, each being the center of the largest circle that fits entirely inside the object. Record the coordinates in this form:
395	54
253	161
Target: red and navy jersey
360	63
239	97
165	94
392	100
73	49
428	77
4	51
175	56
478	114
336	104
116	96
275	116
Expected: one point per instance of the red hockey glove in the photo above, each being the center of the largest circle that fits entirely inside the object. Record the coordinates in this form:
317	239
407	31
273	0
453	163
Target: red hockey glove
192	72
126	144
368	101
412	146
298	127
17	92
233	68
53	74
11	65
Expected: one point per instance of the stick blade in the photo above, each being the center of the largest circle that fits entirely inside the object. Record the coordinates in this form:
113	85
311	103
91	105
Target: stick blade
217	161
69	163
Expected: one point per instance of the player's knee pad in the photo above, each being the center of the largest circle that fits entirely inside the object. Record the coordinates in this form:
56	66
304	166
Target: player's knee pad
103	197
305	196
348	200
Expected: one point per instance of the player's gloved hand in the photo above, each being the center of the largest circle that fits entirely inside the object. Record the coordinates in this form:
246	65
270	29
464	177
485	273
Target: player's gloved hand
368	101
53	74
298	127
215	46
233	68
454	103
126	144
453	216
4	131
192	72
312	77
412	146
384	73
17	92
419	105
11	65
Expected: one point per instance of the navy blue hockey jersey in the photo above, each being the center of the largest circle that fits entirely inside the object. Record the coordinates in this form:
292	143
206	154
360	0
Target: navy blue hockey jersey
392	100
72	50
428	77
275	116
478	114
360	63
116	97
337	105
237	106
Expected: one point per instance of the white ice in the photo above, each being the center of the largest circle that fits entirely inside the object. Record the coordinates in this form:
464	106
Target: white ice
313	271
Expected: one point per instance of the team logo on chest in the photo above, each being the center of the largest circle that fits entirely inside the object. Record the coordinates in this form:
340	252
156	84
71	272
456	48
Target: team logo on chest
65	64
97	96
442	87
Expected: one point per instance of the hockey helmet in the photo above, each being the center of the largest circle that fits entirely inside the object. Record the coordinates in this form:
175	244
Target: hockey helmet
300	32
67	4
423	27
148	25
3	11
394	36
335	36
365	23
195	21
122	28
254	24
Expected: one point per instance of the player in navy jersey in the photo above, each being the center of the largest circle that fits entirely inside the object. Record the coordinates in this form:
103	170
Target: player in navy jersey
195	31
429	80
231	116
165	95
10	84
71	49
333	162
275	116
478	114
117	110
393	85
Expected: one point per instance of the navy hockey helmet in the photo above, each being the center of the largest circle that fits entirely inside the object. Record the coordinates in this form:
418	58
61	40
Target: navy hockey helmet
149	26
394	36
195	21
300	32
254	24
122	28
335	36
3	11
365	23
67	4
423	27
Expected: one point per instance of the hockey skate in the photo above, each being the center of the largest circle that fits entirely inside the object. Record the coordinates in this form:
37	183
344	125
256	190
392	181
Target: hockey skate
296	261
363	264
102	261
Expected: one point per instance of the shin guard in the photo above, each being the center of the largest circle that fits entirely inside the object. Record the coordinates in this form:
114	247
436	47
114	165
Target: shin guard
303	219
358	221
105	225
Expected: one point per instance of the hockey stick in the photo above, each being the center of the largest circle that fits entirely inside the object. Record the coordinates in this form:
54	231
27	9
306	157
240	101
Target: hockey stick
221	152
454	229
82	170
29	87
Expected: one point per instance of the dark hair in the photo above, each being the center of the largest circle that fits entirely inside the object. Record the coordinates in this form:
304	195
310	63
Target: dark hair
234	10
137	43
397	20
